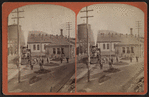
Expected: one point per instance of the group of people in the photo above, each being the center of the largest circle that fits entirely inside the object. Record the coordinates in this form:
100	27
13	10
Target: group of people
39	61
105	60
63	56
136	59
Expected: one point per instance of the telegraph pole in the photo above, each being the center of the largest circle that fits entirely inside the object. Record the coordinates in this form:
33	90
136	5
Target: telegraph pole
68	28
110	45
138	27
88	46
18	42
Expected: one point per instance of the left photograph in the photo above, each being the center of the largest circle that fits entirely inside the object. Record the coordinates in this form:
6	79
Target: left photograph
41	49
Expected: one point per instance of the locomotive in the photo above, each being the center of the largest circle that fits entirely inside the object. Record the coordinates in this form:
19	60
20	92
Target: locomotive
25	55
95	54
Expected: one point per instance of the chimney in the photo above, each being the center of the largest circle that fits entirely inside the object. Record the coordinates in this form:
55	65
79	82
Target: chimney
61	32
131	31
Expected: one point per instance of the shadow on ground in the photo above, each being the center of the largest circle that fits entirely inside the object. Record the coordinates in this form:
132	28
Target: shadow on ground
104	78
42	71
34	79
51	64
121	63
112	70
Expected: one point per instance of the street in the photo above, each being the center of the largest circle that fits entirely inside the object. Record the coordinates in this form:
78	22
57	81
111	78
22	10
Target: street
103	81
51	81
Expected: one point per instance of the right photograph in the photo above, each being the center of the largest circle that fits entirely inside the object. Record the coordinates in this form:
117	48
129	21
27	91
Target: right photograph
110	49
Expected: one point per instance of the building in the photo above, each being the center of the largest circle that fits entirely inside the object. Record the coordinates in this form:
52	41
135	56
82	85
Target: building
12	39
106	41
114	44
130	47
43	44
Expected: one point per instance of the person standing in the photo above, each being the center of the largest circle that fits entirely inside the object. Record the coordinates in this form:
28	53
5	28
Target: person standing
62	56
106	60
67	58
130	59
110	66
41	63
117	59
48	60
111	61
61	59
99	60
101	64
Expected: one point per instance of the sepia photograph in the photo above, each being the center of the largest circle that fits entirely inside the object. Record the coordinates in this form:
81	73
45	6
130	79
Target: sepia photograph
74	48
110	49
41	49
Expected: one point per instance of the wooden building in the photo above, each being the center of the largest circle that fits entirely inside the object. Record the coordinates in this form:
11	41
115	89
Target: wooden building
43	44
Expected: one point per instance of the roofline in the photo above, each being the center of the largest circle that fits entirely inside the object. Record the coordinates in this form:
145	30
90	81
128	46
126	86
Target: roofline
48	42
126	44
108	41
57	45
38	42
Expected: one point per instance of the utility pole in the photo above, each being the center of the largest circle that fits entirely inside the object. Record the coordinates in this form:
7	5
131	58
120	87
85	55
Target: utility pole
68	28
110	45
88	46
61	43
18	40
138	27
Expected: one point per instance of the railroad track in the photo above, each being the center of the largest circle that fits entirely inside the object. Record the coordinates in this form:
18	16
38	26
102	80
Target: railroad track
127	84
59	86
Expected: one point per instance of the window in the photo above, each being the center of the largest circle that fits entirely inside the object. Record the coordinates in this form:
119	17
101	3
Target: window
62	49
132	50
38	47
128	51
34	47
45	47
103	46
58	51
114	45
54	51
123	49
107	46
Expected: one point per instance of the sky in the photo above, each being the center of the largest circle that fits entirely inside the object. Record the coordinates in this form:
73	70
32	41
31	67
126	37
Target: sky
46	18
115	17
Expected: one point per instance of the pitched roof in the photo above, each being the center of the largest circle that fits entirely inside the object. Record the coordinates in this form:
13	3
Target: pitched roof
107	35
36	36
